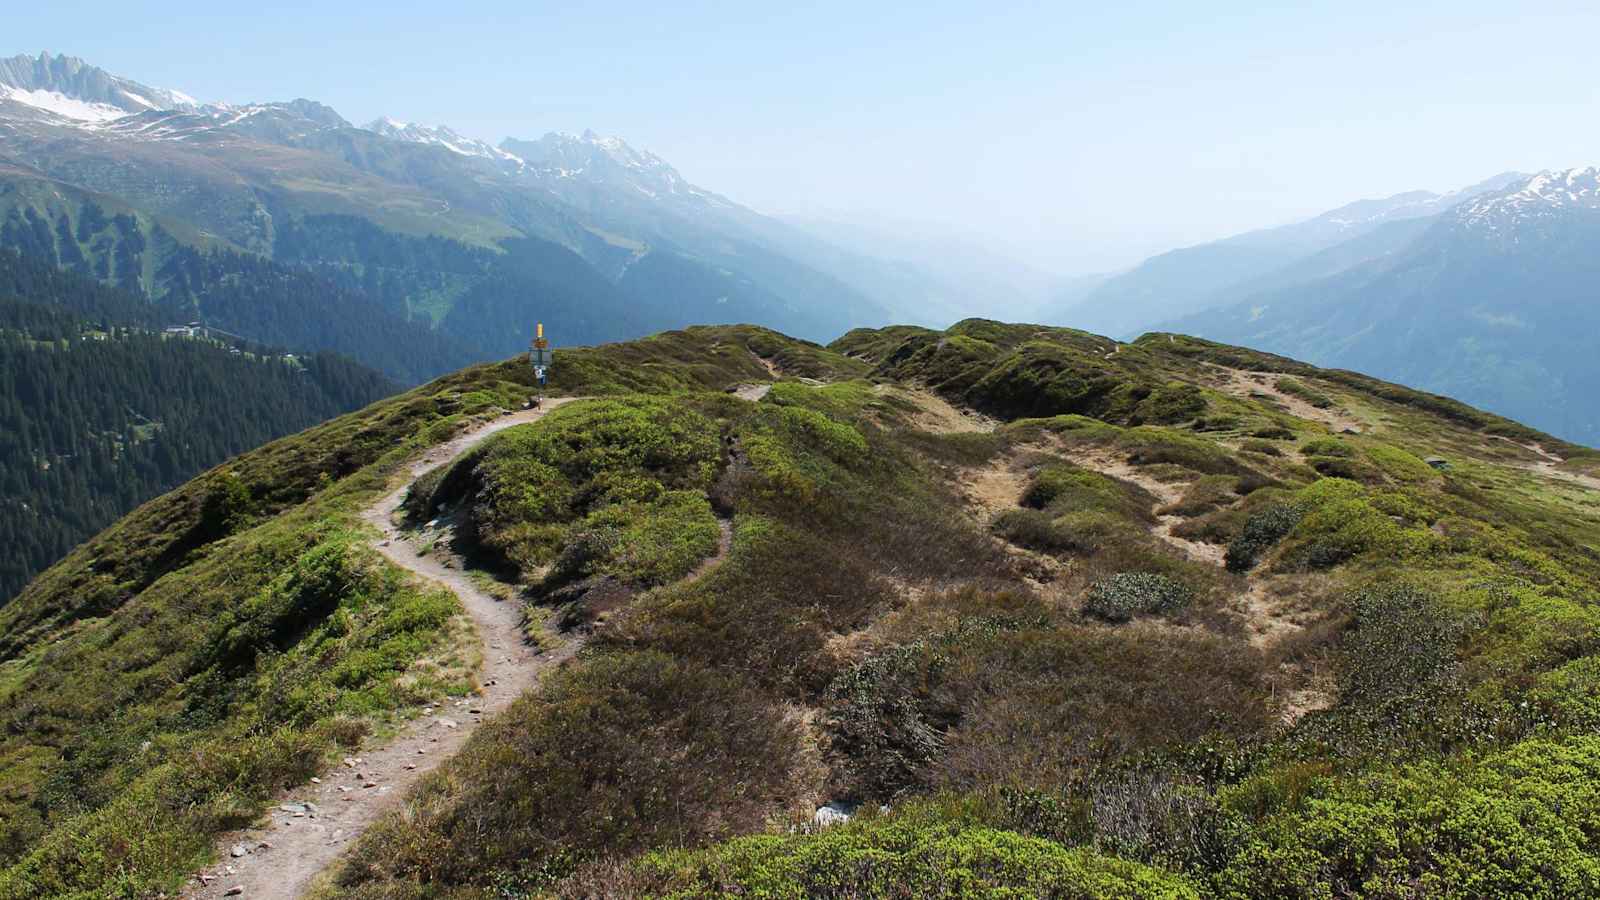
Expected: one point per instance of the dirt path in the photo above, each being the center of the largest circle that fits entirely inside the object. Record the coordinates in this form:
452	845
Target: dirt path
1116	465
309	826
1547	464
1242	384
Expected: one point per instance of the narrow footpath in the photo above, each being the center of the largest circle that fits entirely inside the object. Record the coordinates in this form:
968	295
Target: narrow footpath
310	826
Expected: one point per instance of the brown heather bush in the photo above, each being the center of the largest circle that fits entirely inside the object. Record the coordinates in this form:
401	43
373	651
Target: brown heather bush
1003	699
619	751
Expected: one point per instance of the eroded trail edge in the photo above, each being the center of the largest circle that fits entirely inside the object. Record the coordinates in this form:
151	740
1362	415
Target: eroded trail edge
308	827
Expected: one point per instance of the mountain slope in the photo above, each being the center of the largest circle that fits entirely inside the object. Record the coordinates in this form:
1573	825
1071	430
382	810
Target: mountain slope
63	87
1167	582
99	411
1189	280
254	179
1493	303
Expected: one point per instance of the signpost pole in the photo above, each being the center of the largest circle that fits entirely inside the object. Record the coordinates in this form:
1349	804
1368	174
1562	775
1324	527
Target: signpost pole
540	357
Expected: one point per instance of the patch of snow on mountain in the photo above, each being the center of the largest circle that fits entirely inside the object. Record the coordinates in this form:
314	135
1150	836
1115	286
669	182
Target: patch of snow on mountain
437	137
62	105
1545	194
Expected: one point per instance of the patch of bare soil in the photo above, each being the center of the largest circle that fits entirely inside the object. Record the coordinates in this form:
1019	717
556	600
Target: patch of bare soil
997	488
940	416
772	367
309	826
1267	617
751	392
1107	462
1266	621
1243	384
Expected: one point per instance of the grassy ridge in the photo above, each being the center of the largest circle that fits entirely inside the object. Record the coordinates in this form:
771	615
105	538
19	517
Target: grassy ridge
217	643
1047	700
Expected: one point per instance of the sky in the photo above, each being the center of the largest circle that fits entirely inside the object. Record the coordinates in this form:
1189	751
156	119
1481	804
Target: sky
1079	137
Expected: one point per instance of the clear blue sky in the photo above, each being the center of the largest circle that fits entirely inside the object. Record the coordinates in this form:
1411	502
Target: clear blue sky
1079	135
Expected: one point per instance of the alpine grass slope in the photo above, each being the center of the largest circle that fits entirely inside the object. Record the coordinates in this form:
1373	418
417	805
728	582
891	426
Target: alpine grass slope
1043	613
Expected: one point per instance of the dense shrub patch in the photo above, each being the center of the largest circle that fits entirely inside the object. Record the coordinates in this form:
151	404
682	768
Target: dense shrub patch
627	750
897	858
606	487
1261	532
1296	388
1523	822
1127	594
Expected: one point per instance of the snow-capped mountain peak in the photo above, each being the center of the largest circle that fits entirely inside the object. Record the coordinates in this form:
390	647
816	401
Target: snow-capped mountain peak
67	88
438	136
1413	204
1548	194
560	157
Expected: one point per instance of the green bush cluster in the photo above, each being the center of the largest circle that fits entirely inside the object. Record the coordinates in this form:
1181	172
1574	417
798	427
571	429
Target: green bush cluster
1212	492
1169	403
1063	488
1261	532
614	487
1342	521
1296	388
1149	446
796	449
1126	594
892	858
1037	530
1327	447
1520	822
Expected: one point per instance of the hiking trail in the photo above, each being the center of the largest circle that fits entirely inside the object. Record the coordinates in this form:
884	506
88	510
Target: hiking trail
308	827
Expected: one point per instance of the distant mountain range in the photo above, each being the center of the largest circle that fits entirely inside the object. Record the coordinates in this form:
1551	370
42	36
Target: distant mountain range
1490	294
417	250
1496	302
451	246
1188	280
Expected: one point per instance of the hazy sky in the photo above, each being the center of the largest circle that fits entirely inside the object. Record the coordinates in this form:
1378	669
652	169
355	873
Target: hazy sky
1079	136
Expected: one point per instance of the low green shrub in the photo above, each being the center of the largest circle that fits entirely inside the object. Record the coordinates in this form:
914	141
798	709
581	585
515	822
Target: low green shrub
1342	521
1261	532
895	858
1301	390
1273	433
612	487
1062	489
1217	423
1209	493
1148	445
1520	822
1122	596
1327	447
1170	403
1037	530
1256	445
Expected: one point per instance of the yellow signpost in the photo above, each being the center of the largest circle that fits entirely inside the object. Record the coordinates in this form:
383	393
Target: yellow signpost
540	356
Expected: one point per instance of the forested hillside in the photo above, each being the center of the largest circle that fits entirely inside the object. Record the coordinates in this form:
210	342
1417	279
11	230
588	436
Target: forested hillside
995	611
100	411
